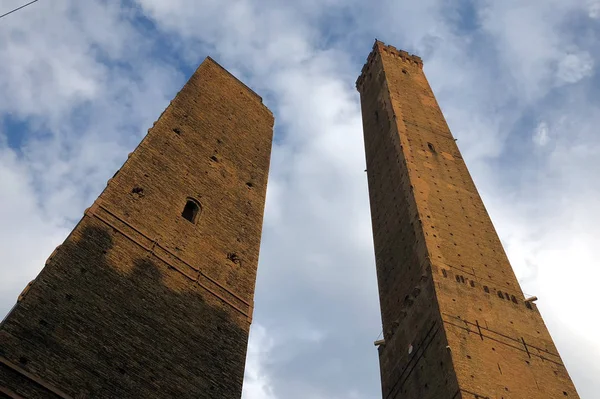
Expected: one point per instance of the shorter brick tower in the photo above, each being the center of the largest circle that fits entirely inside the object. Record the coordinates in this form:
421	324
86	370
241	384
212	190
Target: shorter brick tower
455	322
151	295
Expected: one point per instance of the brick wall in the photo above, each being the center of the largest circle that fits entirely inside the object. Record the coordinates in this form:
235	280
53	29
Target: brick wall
138	301
455	321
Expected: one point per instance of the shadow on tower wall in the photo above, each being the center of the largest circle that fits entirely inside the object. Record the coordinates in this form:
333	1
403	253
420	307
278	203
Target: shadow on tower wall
103	320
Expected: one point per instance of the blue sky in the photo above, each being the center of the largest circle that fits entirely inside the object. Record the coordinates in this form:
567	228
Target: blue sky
517	81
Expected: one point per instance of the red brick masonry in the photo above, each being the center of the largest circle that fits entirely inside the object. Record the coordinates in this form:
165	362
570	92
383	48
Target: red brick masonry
454	317
140	302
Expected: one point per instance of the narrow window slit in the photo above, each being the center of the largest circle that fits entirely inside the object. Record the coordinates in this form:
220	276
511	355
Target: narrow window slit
191	210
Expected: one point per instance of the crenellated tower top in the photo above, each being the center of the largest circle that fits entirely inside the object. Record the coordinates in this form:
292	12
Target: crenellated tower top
380	48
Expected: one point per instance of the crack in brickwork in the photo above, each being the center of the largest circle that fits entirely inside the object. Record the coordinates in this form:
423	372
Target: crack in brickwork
412	363
485	333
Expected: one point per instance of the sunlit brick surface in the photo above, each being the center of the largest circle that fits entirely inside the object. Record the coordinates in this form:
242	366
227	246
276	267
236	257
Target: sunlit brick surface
139	302
454	317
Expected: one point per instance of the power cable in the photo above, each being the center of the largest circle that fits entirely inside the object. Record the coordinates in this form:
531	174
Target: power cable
18	8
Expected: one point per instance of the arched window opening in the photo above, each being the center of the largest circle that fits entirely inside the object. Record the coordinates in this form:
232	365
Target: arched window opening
191	210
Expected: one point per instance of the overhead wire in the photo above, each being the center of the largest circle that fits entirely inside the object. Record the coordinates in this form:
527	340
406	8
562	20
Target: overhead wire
18	8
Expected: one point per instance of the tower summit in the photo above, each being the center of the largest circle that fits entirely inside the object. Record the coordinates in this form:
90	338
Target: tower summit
455	322
151	295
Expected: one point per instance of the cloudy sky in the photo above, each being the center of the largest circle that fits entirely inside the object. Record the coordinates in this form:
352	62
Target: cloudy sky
518	81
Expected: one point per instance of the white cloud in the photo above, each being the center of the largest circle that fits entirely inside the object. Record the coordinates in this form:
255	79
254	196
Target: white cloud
79	116
256	381
553	240
316	313
28	235
540	136
594	9
530	41
574	67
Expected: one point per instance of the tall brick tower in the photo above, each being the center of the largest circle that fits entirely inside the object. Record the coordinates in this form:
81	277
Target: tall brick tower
456	324
151	294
